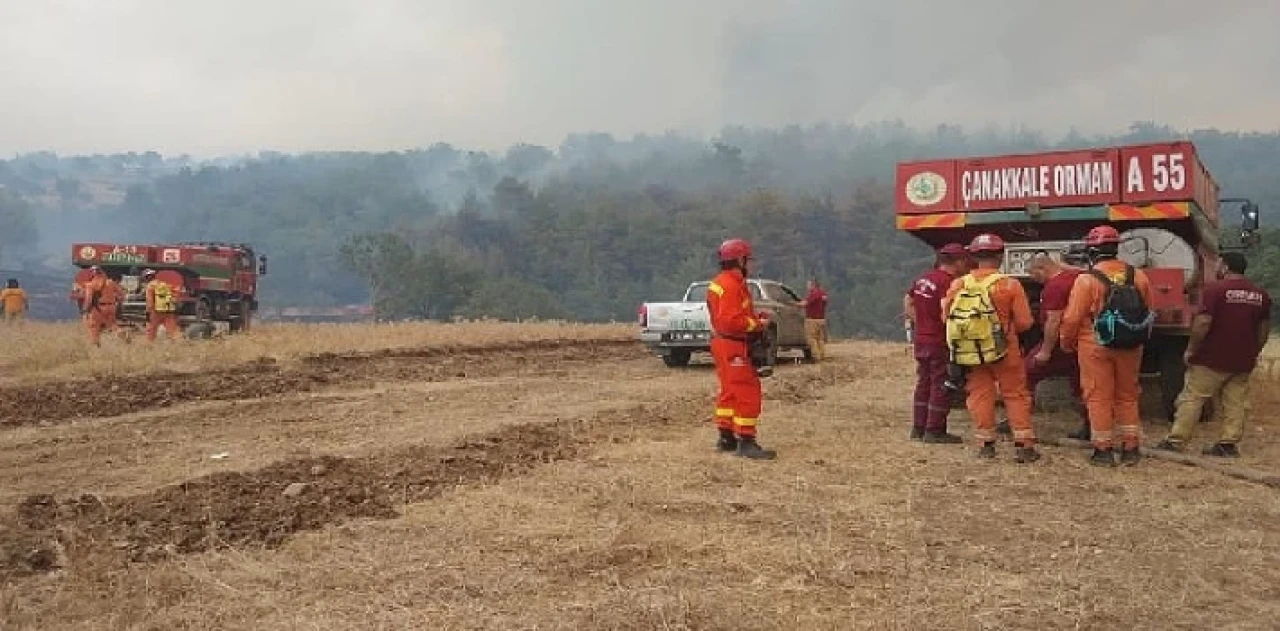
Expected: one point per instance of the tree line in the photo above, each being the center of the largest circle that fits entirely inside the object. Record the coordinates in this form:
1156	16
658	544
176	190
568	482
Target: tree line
592	228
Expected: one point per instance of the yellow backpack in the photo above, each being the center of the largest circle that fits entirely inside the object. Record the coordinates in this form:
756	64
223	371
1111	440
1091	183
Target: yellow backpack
164	297
974	333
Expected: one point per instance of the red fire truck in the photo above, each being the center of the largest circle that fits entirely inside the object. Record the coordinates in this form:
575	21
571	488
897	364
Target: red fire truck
214	282
1159	196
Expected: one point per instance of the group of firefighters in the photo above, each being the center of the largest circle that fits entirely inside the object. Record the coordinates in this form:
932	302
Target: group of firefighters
100	297
1095	318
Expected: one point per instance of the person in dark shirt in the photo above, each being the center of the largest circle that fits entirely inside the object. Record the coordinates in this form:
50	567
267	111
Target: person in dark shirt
1227	335
1046	359
815	320
923	304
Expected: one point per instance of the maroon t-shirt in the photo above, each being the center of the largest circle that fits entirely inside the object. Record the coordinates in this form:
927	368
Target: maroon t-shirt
1056	293
926	294
815	306
1237	307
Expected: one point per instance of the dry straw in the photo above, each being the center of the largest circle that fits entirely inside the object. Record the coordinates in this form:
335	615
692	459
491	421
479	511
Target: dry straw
38	351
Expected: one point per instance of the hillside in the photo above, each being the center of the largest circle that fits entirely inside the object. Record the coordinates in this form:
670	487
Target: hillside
586	230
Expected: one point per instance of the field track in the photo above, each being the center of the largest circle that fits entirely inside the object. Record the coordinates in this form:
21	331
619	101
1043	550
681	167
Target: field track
571	484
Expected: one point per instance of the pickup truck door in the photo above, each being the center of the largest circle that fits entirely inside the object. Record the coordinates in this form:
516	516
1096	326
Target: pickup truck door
790	316
793	305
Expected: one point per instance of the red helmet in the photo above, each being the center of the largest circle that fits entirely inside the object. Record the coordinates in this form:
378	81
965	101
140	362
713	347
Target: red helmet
734	249
986	243
1102	235
953	249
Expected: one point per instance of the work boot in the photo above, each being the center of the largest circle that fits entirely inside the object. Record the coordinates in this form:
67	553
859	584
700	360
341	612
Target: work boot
1169	445
1130	457
1222	450
941	438
916	433
1081	434
1023	455
728	441
1102	458
988	451
748	448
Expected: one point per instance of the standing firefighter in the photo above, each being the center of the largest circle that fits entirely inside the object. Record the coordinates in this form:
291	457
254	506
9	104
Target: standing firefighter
932	402
815	319
1106	324
736	328
986	311
1227	336
102	297
162	307
14	300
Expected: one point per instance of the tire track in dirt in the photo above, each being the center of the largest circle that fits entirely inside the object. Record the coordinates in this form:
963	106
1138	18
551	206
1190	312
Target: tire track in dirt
246	509
114	396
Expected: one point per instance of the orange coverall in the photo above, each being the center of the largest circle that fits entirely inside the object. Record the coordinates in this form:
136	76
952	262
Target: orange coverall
732	319
102	316
157	319
1109	377
1014	312
14	303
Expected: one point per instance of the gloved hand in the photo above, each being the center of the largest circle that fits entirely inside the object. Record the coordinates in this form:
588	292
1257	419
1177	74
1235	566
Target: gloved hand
758	349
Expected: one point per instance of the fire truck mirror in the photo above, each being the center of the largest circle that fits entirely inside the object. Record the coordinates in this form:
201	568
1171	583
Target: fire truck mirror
1249	217
262	265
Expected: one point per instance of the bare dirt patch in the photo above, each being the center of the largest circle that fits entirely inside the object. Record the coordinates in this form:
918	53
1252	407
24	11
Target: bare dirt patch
265	507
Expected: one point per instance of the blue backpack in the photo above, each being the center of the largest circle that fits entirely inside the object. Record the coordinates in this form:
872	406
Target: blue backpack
1124	321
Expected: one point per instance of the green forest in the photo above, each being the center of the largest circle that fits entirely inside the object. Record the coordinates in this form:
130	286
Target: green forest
587	230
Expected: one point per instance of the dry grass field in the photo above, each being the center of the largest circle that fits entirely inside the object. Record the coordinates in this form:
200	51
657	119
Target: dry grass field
547	476
40	351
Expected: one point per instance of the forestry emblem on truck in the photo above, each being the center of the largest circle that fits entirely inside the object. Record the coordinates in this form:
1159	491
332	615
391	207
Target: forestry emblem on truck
926	188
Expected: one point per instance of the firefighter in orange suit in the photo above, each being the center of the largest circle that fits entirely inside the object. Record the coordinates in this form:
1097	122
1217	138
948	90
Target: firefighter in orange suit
735	327
1108	376
102	297
1012	309
162	306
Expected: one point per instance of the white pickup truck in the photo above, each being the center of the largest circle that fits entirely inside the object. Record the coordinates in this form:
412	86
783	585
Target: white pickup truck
676	330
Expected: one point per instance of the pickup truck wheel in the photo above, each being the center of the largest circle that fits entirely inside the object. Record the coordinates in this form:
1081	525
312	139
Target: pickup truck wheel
772	340
808	354
677	358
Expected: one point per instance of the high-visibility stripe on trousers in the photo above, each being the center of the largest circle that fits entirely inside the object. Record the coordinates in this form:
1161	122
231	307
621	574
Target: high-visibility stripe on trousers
932	403
1110	381
739	399
1011	376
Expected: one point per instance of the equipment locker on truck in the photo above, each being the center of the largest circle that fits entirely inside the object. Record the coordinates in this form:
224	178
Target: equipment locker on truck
1160	197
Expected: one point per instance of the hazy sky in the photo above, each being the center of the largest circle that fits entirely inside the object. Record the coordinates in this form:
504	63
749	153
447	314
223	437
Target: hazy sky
227	76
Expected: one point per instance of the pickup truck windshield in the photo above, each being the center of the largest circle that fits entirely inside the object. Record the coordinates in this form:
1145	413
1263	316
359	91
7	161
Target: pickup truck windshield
698	292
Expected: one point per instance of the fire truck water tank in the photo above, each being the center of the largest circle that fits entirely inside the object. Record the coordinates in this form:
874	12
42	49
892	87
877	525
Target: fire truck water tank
1157	247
